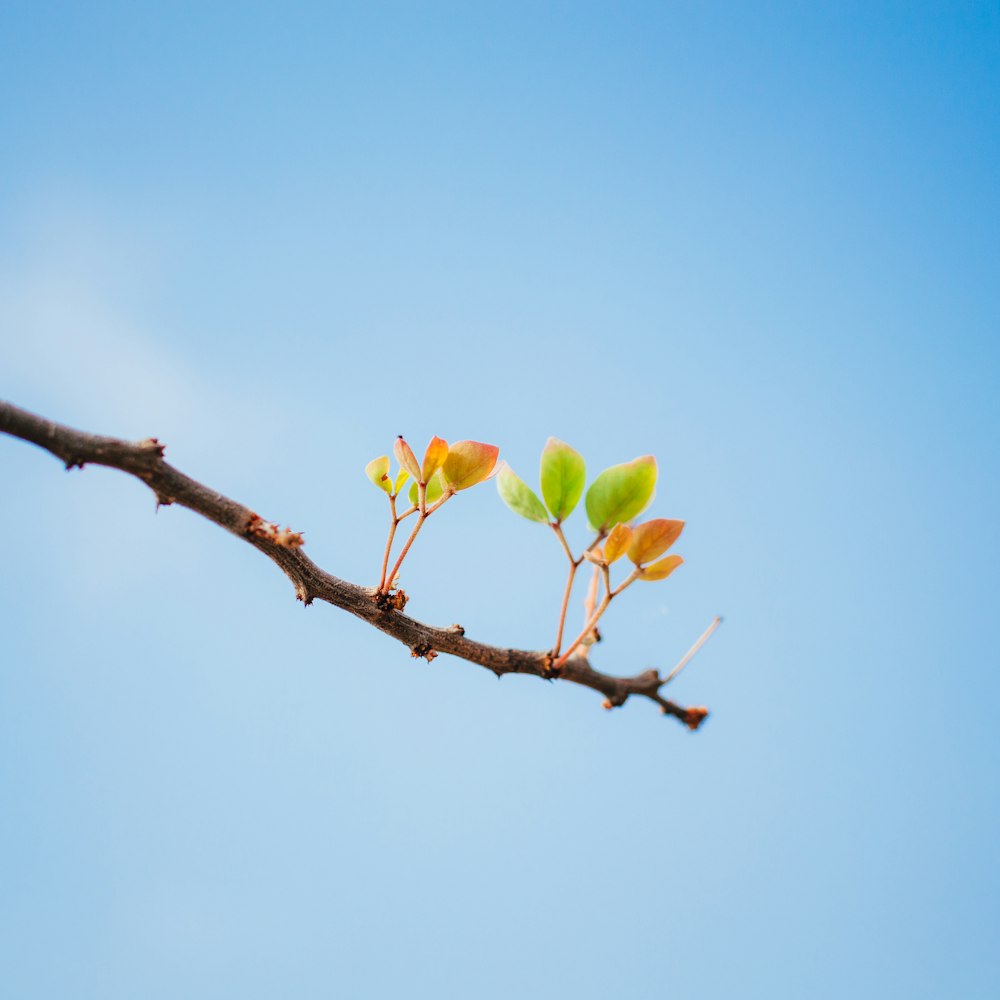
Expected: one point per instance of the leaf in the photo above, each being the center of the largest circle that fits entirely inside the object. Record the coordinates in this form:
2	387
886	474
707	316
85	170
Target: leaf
377	470
468	463
563	474
620	493
407	460
660	570
617	543
435	490
517	495
653	538
434	456
401	480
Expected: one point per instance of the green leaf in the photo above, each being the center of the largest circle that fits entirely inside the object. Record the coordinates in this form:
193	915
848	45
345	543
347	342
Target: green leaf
563	474
434	491
620	493
652	538
517	495
660	570
401	480
377	470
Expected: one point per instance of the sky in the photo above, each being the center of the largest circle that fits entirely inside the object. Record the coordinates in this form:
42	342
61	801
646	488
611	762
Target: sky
760	241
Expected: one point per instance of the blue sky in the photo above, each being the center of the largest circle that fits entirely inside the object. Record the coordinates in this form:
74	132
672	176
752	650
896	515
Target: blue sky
759	241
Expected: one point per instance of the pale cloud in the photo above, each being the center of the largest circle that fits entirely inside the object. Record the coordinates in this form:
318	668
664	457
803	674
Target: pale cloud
74	333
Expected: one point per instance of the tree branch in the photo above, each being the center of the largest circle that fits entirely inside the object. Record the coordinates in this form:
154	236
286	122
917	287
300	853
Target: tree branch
144	460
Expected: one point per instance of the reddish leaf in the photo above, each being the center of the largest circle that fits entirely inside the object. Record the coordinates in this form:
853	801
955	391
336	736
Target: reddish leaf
468	463
652	538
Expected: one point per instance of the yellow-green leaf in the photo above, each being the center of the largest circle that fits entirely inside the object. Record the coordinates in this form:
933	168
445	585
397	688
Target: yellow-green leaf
401	480
660	570
434	491
563	474
437	452
620	493
468	463
407	460
617	543
653	538
517	495
377	470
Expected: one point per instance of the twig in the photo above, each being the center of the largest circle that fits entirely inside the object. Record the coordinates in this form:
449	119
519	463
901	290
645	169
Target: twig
144	460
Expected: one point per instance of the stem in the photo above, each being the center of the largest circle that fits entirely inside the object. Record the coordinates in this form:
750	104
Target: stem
406	548
686	658
595	617
413	534
590	601
574	565
587	629
557	528
388	544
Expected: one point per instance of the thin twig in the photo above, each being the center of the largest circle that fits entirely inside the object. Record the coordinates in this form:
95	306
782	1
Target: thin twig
686	658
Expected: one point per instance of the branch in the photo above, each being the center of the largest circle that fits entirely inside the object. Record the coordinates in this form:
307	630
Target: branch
144	460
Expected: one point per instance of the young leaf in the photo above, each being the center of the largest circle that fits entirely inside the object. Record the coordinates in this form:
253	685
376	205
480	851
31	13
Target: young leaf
377	470
434	491
401	480
620	493
407	460
468	463
660	570
653	538
563	474
437	452
617	543
517	495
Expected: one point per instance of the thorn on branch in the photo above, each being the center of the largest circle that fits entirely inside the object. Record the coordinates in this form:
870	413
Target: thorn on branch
284	538
152	446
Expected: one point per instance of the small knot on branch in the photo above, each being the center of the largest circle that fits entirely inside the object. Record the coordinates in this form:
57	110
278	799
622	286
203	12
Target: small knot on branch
390	600
423	649
457	629
550	671
694	717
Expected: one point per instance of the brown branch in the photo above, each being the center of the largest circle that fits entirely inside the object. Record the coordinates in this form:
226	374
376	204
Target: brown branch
144	460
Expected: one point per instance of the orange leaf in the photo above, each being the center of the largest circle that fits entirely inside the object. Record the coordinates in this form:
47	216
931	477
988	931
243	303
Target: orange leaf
468	463
660	570
407	460
437	452
653	538
617	543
